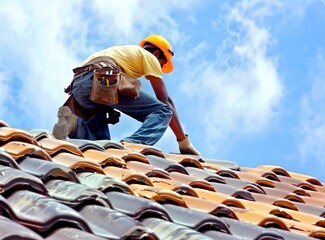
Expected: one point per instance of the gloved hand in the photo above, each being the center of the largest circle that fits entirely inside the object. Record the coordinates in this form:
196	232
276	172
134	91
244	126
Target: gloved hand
186	147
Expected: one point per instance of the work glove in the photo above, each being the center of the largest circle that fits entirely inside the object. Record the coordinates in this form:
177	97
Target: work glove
186	147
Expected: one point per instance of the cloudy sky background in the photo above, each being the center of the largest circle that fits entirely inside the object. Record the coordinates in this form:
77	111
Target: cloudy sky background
249	78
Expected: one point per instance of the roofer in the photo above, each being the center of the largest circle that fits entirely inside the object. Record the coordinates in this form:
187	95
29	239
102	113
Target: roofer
82	118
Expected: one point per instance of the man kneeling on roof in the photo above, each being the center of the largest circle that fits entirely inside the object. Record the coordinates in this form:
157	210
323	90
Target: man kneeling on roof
82	118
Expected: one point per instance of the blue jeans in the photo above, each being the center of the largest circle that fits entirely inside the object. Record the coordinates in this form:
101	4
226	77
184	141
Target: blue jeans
154	115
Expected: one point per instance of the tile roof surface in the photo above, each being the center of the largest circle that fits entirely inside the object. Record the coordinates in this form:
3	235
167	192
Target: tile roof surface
79	189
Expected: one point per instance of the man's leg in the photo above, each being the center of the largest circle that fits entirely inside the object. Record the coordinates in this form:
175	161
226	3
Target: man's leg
95	127
154	115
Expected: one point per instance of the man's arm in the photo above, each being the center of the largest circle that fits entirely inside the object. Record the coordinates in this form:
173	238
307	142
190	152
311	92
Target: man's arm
161	93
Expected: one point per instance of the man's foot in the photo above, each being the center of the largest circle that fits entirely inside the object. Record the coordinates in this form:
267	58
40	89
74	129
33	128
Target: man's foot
67	123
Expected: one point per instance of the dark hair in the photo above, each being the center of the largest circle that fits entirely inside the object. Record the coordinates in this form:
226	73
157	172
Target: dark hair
151	48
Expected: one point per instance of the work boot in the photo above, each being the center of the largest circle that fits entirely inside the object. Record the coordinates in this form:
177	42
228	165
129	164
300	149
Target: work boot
67	123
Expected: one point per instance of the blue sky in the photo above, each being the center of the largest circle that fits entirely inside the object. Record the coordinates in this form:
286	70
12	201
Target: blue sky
249	78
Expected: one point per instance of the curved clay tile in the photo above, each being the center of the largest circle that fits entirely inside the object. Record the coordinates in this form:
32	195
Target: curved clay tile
259	218
157	194
103	158
305	229
219	198
168	165
260	172
198	220
185	160
243	184
207	206
233	191
284	213
276	201
147	169
137	207
205	175
276	169
52	146
218	163
41	213
21	149
182	189
75	194
127	175
143	149
12	179
191	181
237	228
298	183
76	163
212	167
84	144
109	144
276	192
13	134
41	133
7	160
115	222
45	170
127	155
306	178
103	183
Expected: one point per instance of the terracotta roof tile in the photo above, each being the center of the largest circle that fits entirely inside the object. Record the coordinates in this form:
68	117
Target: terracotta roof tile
127	155
76	162
7	160
147	169
13	134
11	178
103	158
45	170
144	149
137	207
127	175
75	194
19	149
53	146
103	183
115	222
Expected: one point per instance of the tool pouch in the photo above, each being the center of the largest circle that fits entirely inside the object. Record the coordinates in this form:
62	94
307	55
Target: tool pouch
105	85
129	86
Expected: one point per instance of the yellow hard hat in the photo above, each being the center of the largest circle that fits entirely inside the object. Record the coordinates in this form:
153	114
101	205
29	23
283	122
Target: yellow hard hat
163	45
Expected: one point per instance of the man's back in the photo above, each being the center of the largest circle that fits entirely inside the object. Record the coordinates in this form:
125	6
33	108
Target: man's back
134	60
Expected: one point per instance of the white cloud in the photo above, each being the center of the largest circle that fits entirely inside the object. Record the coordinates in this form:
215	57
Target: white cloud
238	92
311	133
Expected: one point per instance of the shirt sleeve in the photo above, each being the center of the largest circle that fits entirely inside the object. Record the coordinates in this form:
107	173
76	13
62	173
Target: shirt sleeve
151	65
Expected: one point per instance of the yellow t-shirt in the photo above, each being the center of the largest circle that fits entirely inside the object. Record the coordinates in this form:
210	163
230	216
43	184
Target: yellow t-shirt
135	61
